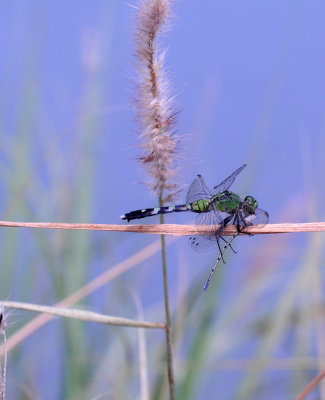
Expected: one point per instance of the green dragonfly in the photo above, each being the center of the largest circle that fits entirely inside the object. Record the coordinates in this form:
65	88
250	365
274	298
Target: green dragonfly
216	208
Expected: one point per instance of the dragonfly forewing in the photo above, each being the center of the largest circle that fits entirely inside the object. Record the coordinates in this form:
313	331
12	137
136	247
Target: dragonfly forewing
225	184
198	190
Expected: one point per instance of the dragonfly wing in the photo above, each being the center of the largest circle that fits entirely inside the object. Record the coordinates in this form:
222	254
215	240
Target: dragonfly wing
225	185
260	217
211	220
198	190
201	243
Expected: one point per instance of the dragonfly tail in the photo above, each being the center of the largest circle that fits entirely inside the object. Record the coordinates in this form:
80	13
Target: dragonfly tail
148	212
206	286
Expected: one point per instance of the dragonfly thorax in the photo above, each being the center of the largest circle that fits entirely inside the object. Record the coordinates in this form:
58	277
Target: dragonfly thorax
227	202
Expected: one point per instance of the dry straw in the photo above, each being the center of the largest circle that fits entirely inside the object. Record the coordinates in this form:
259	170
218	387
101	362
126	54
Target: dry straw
173	229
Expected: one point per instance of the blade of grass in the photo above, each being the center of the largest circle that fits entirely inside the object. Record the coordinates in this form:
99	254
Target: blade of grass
84	291
82	315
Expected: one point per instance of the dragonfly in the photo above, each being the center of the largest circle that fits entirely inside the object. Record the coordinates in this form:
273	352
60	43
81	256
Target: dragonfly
216	208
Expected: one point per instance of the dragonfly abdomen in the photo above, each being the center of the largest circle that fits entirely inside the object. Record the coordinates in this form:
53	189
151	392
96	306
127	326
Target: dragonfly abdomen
148	212
202	205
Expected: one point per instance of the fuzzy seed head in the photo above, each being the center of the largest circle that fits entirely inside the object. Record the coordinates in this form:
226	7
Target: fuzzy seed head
154	108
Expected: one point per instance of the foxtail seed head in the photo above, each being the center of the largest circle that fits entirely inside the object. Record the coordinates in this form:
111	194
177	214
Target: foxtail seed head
154	107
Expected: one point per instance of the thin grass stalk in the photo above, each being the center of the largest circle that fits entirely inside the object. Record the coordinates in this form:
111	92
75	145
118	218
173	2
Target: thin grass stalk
315	282
167	311
4	370
143	359
83	315
3	367
309	388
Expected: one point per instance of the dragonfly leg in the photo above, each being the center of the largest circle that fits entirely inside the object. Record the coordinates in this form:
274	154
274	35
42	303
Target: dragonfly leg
234	251
205	287
241	224
244	223
225	222
236	222
221	253
228	244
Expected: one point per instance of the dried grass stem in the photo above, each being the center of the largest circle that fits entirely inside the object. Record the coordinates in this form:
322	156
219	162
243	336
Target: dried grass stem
171	229
84	315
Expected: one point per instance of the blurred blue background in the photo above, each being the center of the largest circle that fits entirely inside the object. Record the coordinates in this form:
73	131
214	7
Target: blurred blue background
249	81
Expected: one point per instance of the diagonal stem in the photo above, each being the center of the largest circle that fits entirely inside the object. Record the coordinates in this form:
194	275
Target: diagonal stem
170	371
311	386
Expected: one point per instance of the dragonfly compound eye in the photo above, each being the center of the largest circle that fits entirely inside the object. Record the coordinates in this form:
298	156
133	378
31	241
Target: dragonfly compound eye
251	201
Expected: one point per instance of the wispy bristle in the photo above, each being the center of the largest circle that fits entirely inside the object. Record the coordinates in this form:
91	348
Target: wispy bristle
154	108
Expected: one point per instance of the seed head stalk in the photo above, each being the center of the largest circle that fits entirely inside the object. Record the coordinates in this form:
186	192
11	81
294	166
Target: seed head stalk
3	365
167	313
156	115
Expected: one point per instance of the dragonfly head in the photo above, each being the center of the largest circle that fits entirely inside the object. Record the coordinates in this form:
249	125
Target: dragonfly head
250	204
